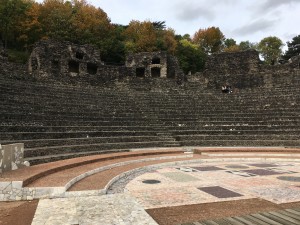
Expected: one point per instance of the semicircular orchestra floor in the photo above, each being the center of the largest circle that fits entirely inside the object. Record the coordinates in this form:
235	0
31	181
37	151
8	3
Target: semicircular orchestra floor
195	183
195	190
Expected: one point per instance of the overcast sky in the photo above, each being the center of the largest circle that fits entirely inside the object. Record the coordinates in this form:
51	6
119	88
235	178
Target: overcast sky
238	19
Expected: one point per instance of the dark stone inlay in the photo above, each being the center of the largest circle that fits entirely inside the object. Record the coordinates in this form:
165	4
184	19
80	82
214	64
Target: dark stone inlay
279	170
287	178
151	181
207	168
241	173
262	172
263	165
220	192
236	167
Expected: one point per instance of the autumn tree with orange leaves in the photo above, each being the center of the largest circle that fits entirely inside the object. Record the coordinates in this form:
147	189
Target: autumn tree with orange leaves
146	37
211	39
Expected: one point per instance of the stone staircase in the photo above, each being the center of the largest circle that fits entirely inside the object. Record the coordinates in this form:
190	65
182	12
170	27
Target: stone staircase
58	121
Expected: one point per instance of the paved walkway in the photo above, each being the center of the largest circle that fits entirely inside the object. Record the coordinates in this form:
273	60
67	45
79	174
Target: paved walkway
118	209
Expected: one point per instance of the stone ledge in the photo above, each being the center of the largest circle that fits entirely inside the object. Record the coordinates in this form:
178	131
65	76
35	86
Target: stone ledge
14	190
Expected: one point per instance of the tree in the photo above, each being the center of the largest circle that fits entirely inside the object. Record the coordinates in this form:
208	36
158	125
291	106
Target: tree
270	49
293	48
30	29
11	13
230	45
233	48
211	40
190	56
113	50
89	23
159	25
149	36
246	45
140	37
229	42
166	40
55	18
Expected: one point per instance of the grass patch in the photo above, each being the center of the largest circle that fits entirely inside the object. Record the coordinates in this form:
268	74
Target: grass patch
17	56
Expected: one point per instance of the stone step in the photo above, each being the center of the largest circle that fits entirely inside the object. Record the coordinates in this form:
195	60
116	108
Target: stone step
42	151
77	128
34	143
56	157
86	134
290	216
235	132
237	142
239	137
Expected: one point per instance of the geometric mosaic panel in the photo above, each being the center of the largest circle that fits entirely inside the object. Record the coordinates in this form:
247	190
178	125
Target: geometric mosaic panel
241	173
180	177
262	172
207	168
280	170
236	167
287	178
263	165
220	192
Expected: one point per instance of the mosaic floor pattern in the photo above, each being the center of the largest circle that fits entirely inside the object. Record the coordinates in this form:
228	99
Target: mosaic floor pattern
213	182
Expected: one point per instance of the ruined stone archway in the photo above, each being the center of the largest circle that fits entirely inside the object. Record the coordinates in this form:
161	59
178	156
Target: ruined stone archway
155	72
73	66
155	60
140	72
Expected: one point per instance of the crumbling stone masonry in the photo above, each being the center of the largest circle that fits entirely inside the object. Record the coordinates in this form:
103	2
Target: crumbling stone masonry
11	157
53	58
67	61
245	70
154	64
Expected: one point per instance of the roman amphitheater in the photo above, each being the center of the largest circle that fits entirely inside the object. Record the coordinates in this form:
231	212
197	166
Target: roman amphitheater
87	143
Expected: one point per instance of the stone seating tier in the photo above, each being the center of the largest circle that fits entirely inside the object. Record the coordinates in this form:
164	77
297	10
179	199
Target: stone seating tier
58	121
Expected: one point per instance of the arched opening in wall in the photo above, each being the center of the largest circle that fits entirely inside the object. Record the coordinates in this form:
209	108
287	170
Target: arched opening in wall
155	72
140	72
34	64
79	55
55	66
156	60
92	68
73	67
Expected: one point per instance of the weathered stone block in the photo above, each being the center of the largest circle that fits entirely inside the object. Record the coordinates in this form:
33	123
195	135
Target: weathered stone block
11	157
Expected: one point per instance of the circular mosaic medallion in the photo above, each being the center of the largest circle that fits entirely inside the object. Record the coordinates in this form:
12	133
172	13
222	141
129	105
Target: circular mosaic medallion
151	181
237	167
286	178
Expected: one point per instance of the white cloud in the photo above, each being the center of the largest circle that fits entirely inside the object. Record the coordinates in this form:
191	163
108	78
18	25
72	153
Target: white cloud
190	12
254	27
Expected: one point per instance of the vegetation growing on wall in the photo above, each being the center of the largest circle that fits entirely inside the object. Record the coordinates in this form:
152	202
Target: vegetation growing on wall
24	22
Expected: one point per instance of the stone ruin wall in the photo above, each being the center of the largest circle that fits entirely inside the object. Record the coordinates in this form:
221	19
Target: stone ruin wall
71	62
245	70
148	64
154	64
